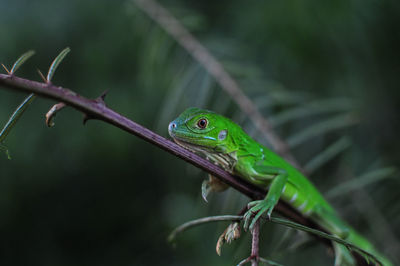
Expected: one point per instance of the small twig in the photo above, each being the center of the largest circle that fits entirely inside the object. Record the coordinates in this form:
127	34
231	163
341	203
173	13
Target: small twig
204	220
174	28
287	223
269	262
255	244
41	75
52	113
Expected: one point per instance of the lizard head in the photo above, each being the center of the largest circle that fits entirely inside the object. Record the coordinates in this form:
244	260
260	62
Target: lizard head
202	130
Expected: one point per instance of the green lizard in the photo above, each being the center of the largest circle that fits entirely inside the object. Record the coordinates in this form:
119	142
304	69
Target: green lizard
223	142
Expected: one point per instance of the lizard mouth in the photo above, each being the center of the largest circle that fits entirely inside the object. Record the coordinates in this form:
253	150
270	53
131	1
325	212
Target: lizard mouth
190	145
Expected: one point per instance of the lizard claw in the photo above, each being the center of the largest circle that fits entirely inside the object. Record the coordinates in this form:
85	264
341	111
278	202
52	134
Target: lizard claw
213	184
205	190
253	203
258	208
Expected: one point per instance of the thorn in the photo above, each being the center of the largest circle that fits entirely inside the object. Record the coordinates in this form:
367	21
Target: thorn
42	76
98	100
86	118
104	94
6	69
101	98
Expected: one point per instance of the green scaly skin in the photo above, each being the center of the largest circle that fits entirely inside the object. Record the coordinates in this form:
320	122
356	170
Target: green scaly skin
223	142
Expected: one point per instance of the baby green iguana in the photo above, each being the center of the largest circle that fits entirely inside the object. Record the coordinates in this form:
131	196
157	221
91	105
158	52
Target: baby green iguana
225	143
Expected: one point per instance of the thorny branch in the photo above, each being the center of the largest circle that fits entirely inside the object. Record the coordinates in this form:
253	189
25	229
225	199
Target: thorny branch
97	109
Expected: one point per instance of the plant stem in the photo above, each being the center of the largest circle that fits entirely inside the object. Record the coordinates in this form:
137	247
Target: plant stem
255	243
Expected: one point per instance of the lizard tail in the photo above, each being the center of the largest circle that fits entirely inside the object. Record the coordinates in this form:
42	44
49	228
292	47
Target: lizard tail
330	221
364	244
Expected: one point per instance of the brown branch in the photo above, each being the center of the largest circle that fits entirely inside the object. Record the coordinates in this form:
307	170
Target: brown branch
174	28
98	110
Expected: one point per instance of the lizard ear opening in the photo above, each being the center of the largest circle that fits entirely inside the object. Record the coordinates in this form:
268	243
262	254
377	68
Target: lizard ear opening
222	134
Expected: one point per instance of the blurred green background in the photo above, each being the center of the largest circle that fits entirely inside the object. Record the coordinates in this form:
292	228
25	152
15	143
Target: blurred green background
325	73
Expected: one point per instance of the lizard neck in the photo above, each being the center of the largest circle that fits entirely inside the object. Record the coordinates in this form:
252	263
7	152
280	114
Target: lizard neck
221	157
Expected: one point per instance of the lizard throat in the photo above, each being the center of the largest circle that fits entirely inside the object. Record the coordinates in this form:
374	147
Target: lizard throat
225	160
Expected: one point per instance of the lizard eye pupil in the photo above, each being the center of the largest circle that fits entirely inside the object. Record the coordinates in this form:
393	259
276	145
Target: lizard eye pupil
202	123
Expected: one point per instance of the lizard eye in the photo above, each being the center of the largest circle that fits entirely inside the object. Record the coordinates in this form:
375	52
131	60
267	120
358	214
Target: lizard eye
202	123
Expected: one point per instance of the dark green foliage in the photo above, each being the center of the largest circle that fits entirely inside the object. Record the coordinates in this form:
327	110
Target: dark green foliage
93	195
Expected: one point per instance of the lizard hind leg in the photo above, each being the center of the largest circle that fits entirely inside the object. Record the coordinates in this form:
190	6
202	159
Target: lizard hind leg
329	220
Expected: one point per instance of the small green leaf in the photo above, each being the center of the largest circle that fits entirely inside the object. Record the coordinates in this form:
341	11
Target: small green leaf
21	60
56	63
15	117
269	262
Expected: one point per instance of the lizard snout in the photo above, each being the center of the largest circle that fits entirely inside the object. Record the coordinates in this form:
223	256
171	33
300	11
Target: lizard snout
171	127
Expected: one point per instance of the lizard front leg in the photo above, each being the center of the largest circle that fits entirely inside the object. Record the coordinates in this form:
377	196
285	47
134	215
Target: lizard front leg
277	178
213	184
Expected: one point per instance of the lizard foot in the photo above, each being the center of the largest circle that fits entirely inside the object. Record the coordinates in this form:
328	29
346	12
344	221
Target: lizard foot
205	190
232	232
257	208
213	184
